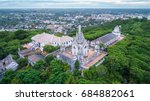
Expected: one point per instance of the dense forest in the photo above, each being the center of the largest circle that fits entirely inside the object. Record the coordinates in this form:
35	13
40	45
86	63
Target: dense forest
128	61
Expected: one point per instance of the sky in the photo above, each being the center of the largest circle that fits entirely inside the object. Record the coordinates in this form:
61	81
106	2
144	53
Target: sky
74	4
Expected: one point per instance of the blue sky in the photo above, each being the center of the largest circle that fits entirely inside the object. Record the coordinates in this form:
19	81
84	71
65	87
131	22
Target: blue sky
74	3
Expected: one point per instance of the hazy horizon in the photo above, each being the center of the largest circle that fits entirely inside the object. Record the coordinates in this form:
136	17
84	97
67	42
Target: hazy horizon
69	8
75	4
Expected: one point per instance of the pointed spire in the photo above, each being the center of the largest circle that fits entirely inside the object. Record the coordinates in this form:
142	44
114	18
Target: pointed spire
79	35
79	29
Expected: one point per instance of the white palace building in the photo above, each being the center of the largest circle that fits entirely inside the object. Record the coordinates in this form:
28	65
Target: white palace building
40	40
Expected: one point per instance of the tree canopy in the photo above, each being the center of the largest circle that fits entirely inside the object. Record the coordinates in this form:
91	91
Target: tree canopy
49	48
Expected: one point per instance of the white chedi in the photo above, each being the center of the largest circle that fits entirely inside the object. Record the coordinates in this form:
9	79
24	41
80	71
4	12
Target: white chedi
80	45
117	31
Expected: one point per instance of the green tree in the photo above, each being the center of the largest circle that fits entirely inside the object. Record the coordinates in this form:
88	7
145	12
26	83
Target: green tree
84	81
57	66
40	65
21	34
22	62
66	67
77	64
49	58
87	74
8	76
76	71
49	48
27	76
59	78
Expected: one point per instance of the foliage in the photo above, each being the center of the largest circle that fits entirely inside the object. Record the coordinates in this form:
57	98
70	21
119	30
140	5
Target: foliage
49	48
27	76
11	41
59	34
22	62
39	65
77	64
59	73
49	58
21	34
9	75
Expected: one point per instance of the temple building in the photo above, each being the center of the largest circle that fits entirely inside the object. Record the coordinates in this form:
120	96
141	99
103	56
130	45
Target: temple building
83	52
88	53
80	46
110	38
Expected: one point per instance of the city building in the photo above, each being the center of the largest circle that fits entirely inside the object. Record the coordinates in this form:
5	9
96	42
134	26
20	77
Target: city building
56	28
7	64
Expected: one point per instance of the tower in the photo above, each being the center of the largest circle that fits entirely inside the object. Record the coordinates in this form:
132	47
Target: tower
80	45
79	36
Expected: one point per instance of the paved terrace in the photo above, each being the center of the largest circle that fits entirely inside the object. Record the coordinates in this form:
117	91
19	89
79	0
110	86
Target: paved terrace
69	54
97	59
